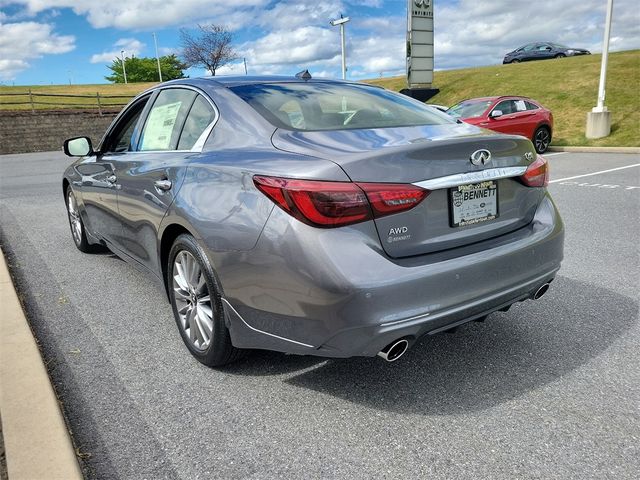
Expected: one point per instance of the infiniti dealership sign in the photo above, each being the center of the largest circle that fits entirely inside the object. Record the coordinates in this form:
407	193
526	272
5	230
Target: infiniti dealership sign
420	43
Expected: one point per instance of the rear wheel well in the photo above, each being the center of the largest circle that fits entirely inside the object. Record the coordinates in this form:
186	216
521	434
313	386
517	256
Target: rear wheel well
168	237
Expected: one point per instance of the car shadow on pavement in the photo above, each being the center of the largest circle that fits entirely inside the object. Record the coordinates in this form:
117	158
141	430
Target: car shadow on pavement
480	365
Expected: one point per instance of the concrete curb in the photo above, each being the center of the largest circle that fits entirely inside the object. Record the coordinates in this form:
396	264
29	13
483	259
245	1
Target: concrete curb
36	440
595	149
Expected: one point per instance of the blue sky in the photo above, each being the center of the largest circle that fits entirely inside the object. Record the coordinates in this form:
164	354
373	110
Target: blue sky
58	41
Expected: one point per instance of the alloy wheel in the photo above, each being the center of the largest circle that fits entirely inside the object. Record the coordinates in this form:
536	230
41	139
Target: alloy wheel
542	140
193	300
74	218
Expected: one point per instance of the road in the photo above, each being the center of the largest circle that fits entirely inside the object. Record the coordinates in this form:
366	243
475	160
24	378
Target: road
550	389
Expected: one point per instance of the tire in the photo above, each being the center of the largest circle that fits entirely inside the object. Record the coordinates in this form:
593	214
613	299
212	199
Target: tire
541	139
78	232
560	55
196	300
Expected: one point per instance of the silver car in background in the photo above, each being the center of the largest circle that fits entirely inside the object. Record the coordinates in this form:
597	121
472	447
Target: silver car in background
314	217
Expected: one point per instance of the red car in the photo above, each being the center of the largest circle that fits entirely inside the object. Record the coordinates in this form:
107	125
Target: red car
514	115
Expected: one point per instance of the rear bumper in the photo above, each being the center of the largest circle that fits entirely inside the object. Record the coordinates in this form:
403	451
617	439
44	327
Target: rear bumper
333	293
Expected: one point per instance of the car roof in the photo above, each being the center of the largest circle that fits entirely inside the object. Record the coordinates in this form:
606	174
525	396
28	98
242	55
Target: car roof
237	80
493	99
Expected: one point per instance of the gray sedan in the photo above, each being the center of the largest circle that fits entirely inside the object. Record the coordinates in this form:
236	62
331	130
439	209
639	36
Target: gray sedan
542	51
314	217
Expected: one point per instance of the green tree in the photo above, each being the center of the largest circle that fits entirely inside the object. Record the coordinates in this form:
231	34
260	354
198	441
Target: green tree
145	69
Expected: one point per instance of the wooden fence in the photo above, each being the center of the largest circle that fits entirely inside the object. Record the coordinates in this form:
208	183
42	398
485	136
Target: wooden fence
39	101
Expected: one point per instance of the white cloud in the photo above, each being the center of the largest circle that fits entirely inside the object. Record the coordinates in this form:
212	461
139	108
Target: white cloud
296	47
143	14
21	42
131	47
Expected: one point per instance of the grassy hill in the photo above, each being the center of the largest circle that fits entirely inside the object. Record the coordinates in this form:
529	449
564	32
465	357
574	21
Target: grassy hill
568	86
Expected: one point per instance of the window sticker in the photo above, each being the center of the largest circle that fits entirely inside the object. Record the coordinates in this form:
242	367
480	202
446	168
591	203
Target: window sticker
157	132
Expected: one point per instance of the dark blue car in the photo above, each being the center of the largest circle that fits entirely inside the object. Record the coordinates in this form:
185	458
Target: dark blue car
542	51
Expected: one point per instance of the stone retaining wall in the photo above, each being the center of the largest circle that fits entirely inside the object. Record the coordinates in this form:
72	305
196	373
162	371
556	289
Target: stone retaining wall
42	131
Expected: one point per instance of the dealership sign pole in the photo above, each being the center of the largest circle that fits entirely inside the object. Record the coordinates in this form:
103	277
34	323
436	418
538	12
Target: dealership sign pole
599	118
342	22
420	50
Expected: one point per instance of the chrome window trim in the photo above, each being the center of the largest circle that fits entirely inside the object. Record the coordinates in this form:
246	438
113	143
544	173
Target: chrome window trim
471	177
199	145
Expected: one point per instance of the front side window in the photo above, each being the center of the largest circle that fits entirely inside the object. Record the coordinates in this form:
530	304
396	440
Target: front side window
165	120
327	106
119	139
506	107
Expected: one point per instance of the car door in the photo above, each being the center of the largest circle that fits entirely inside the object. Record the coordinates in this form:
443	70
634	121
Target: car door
175	128
528	53
546	51
99	176
515	117
503	122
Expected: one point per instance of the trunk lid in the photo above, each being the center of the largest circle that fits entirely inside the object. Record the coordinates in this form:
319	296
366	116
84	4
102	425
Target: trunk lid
436	157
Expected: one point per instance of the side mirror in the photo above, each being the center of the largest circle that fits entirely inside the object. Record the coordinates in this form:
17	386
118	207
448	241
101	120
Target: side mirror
78	147
548	49
495	113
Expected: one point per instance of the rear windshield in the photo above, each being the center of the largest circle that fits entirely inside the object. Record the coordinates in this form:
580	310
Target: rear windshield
469	108
326	106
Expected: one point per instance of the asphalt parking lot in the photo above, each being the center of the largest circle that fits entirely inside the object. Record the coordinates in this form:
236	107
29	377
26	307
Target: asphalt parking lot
550	389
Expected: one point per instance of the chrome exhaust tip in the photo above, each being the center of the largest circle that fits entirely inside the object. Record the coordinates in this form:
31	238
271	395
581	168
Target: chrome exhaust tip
540	291
394	350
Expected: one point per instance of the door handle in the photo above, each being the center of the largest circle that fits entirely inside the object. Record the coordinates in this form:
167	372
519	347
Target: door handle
112	179
164	184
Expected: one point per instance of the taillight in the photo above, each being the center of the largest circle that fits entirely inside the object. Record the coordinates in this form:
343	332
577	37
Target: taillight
537	174
386	199
334	204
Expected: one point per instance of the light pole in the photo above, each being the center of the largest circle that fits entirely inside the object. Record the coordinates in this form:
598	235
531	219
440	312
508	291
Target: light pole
155	42
342	21
124	70
599	118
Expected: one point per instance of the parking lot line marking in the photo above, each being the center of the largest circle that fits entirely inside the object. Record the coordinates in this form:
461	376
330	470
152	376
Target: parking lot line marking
553	154
595	173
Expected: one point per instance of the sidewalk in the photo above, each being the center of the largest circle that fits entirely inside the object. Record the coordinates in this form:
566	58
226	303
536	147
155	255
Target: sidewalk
553	148
36	441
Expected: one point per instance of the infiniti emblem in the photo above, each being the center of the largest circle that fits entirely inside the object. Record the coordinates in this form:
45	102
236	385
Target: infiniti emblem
481	157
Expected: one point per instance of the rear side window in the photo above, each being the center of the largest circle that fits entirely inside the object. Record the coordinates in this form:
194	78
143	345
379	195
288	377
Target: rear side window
332	106
165	120
199	118
531	106
520	105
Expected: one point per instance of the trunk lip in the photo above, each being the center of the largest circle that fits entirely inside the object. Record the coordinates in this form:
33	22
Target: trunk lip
467	178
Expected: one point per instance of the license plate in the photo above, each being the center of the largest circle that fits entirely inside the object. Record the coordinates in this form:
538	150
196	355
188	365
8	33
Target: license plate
475	203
